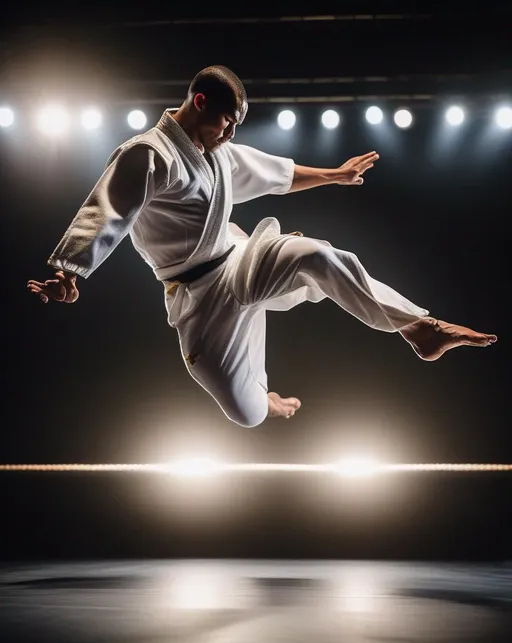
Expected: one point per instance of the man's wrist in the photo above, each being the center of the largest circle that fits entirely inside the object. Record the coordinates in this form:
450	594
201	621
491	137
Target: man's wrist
337	175
68	274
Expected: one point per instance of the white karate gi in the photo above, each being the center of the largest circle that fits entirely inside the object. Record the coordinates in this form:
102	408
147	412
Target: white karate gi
158	188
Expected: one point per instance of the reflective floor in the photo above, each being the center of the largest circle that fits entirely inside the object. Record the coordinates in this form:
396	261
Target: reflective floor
255	602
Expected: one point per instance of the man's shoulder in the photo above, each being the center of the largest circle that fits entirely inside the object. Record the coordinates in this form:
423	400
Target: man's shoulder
139	144
235	152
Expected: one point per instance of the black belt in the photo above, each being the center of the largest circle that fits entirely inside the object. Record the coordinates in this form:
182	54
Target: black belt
202	269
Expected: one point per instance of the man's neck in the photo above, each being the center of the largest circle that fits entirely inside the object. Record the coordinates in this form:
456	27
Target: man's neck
182	117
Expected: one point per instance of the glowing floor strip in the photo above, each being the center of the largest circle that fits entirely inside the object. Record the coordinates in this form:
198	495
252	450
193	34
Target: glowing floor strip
207	468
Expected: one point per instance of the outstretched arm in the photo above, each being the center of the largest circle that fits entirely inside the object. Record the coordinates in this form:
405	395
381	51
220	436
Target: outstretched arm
350	173
255	173
127	185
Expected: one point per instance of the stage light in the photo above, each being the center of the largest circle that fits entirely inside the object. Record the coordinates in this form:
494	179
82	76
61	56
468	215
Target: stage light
403	118
286	119
374	115
199	588
137	119
455	115
195	468
503	117
6	117
91	119
53	120
330	119
357	467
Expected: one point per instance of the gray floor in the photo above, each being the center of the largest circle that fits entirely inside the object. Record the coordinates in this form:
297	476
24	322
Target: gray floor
255	602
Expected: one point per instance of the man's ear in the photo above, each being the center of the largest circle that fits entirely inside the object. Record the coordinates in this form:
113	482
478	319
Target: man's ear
199	102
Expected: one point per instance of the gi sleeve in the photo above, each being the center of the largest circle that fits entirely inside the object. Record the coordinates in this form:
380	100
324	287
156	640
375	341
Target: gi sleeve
256	173
131	179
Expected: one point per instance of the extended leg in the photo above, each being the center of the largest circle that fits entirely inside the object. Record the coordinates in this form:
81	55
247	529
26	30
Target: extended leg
290	264
294	263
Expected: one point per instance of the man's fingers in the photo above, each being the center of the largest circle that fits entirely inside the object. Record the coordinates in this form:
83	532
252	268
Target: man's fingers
41	284
31	282
365	167
38	288
35	288
370	156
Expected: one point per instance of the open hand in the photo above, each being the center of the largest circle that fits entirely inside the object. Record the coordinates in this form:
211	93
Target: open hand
351	172
61	288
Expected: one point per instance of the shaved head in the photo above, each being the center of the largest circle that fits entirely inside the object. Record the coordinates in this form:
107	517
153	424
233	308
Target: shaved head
223	90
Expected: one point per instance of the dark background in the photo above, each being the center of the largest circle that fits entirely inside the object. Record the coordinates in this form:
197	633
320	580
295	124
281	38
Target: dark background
102	381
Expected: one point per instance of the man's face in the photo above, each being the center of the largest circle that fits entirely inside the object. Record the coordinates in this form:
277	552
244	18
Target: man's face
216	127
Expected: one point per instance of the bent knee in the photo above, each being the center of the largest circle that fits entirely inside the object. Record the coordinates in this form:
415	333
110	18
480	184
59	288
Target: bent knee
313	254
247	419
242	400
318	256
248	413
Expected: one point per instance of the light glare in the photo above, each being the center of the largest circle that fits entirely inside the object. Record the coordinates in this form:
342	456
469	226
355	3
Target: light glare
286	119
254	467
374	115
197	591
195	468
357	467
403	118
53	120
504	117
91	119
6	117
137	119
455	115
330	119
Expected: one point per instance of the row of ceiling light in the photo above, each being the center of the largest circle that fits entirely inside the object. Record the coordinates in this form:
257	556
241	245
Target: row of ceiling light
55	120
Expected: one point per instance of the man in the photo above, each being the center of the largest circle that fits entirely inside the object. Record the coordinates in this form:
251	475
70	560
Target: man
172	189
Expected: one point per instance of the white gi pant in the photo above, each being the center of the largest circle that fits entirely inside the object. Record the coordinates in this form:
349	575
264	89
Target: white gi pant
220	318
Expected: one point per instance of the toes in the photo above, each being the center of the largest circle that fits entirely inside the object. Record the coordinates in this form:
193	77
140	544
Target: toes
477	341
293	401
484	338
286	407
293	405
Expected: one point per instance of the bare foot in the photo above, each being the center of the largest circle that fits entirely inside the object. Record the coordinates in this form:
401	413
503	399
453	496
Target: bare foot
282	407
431	338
